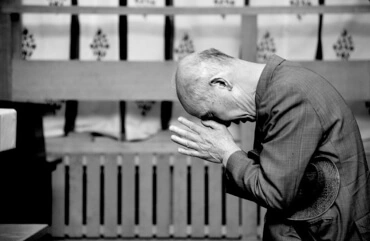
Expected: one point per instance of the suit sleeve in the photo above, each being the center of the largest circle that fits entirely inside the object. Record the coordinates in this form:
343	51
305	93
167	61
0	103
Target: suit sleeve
292	132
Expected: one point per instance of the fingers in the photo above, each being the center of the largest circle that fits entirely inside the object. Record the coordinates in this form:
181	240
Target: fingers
184	133
212	124
191	125
186	143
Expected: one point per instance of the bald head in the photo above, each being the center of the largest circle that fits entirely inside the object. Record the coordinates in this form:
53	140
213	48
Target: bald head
193	76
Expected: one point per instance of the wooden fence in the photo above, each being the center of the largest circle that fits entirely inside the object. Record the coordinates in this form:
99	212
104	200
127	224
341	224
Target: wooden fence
147	195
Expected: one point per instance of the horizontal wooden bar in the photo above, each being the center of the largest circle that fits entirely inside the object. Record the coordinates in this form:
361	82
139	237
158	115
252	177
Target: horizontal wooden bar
82	143
44	80
337	9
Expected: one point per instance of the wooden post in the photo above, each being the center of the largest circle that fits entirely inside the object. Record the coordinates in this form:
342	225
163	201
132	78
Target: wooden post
8	123
5	54
249	53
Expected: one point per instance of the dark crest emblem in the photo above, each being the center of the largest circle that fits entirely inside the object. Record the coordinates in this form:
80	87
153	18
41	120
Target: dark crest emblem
299	3
56	2
224	3
344	45
28	44
145	3
185	46
145	106
100	44
266	47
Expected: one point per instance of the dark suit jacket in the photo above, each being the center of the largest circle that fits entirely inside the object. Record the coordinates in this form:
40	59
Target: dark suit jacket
300	116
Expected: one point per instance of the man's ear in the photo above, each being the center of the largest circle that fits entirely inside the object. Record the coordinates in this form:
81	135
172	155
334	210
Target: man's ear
221	82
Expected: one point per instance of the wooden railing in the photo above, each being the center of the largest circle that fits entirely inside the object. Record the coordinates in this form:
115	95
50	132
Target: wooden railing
146	195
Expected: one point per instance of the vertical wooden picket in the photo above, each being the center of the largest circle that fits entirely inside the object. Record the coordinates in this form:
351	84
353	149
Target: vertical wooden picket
163	195
93	196
215	200
197	198
180	196
128	195
58	200
261	221
249	220
110	195
75	198
232	216
145	195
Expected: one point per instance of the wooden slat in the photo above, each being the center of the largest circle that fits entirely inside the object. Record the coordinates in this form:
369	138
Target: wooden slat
93	196
249	220
163	195
75	198
232	216
350	78
128	195
8	126
110	196
22	232
188	10
215	200
261	221
84	144
180	196
249	35
5	57
145	195
197	198
41	80
58	200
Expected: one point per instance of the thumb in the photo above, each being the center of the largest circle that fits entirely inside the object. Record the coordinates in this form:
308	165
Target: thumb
211	124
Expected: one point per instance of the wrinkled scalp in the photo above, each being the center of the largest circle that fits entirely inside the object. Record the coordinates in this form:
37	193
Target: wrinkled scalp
192	76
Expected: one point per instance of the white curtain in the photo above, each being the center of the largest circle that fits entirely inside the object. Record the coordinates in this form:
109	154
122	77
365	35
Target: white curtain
145	43
47	37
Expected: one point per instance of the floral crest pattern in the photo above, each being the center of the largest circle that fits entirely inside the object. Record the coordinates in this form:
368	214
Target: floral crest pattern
100	44
145	106
299	3
344	45
28	44
56	2
145	3
266	47
185	47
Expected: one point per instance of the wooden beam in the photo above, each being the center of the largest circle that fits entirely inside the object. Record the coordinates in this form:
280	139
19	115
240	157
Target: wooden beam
43	80
187	10
8	126
5	57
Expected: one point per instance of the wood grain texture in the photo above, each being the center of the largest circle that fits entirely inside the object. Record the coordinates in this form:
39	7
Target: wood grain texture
215	200
180	196
58	201
128	195
188	10
74	228
110	195
163	195
92	80
93	196
8	127
145	195
197	198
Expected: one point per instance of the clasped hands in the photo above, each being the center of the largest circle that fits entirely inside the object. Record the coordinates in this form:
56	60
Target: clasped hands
210	141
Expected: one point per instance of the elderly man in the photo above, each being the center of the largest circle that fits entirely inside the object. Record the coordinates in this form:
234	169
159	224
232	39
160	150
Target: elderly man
299	116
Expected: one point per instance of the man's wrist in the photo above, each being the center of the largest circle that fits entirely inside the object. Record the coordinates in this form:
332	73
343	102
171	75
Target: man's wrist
229	153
